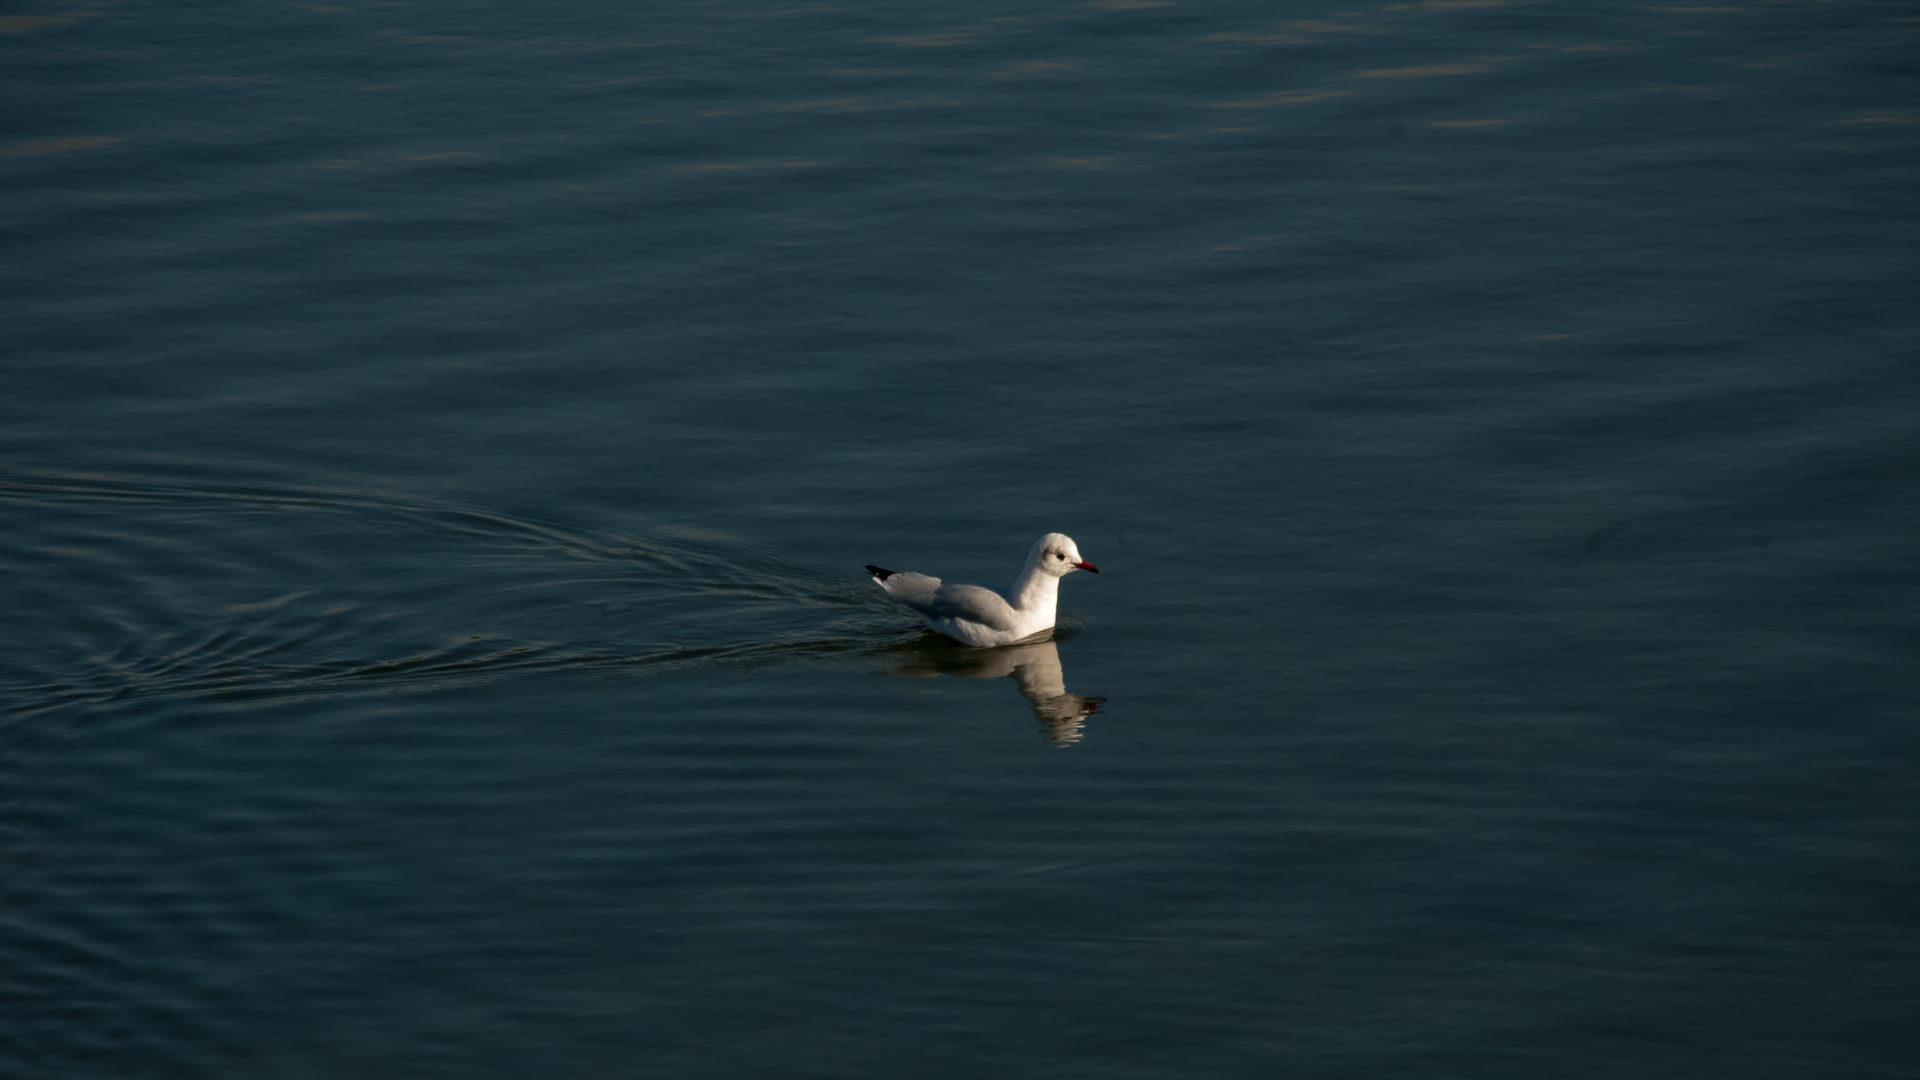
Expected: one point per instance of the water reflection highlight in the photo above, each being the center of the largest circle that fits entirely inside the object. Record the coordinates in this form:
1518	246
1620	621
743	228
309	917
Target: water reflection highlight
1034	667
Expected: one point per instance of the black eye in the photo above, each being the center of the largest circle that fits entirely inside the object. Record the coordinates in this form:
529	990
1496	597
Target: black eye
1059	555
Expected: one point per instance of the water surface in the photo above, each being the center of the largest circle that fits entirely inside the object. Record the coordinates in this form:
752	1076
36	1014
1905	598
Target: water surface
440	445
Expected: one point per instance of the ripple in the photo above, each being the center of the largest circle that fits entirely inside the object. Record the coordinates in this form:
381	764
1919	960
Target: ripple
248	591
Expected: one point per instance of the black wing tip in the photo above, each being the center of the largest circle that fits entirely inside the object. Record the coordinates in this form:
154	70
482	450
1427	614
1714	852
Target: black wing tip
879	573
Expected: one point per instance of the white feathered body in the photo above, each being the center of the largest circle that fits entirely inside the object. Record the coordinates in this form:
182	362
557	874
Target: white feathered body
985	614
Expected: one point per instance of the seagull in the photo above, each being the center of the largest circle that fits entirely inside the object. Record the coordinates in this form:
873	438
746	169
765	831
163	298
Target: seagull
985	614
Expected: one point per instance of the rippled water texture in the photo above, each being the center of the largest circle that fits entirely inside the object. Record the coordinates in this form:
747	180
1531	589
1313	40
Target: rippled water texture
439	444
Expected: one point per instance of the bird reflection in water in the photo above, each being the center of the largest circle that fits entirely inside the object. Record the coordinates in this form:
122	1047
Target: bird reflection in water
1034	667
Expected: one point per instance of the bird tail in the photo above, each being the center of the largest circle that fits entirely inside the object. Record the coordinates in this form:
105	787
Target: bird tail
879	573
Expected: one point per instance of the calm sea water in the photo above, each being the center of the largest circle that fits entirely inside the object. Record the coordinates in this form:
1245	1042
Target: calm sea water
440	442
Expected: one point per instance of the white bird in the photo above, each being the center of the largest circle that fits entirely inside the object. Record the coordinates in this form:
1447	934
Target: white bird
984	614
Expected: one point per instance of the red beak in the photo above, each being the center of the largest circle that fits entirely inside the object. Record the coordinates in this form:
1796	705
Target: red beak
1088	567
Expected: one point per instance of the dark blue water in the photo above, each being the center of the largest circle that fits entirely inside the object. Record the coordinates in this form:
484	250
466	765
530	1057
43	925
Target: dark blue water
439	444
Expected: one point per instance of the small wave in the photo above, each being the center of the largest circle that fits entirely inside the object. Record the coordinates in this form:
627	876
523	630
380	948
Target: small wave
185	588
